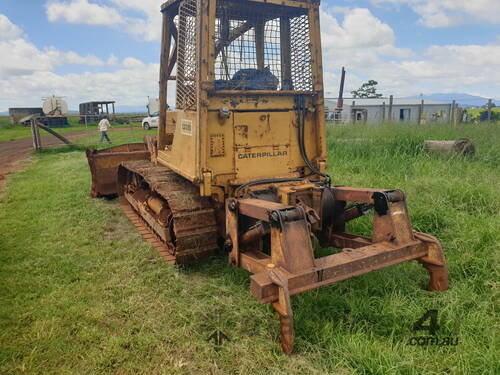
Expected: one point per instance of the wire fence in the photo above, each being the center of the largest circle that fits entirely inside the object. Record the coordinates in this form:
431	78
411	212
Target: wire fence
91	120
406	110
124	129
348	111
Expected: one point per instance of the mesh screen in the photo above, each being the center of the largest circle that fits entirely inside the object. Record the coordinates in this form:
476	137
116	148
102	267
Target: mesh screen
241	53
186	23
281	33
285	44
301	54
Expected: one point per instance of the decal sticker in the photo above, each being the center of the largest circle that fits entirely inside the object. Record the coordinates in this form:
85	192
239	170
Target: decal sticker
186	127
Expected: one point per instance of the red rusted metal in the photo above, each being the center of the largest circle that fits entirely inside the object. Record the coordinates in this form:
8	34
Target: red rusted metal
104	165
291	267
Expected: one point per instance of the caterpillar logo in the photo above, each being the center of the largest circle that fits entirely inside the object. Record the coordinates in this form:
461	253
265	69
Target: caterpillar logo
254	155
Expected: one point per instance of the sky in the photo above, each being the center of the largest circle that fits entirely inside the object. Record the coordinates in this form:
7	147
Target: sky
109	49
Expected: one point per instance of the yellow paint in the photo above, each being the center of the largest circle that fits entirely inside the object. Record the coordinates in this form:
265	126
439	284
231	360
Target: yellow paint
207	184
259	137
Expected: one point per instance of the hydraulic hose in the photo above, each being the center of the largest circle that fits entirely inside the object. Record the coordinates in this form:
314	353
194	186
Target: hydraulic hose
301	114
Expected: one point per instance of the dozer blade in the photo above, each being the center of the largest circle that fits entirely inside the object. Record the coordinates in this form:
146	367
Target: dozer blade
104	166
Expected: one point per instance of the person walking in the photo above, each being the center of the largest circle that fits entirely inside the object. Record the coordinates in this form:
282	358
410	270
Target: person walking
104	126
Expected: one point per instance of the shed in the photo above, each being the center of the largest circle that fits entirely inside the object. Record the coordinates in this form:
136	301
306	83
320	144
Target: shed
17	114
94	111
378	110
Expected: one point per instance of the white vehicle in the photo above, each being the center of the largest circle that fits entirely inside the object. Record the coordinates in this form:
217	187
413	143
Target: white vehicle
152	120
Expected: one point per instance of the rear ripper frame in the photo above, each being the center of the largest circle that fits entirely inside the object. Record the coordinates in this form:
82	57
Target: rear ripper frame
291	267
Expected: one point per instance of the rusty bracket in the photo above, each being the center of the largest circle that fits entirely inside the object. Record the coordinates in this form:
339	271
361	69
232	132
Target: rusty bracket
381	200
283	307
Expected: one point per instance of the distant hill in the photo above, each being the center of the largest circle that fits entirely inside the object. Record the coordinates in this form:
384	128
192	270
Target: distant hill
464	100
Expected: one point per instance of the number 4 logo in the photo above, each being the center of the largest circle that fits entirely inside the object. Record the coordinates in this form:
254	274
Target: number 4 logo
432	327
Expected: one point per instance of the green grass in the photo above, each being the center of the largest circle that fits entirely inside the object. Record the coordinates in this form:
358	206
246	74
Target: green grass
10	132
83	294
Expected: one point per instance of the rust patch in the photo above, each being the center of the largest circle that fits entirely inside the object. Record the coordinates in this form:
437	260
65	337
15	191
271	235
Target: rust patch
217	147
242	131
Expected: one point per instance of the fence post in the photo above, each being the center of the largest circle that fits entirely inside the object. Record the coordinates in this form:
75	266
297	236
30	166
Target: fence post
35	134
490	104
421	112
353	118
452	113
383	112
50	131
391	100
38	137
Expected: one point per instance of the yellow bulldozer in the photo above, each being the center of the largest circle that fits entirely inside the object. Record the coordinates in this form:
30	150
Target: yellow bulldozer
241	162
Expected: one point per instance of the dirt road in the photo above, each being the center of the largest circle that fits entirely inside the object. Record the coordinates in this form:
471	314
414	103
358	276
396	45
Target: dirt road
14	153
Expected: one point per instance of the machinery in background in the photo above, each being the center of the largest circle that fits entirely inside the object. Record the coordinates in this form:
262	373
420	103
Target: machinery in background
55	111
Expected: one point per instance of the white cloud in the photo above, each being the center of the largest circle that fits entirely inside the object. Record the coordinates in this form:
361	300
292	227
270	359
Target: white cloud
148	27
145	24
130	62
83	12
8	30
367	48
112	60
448	68
61	58
134	84
28	74
358	29
444	13
359	41
24	58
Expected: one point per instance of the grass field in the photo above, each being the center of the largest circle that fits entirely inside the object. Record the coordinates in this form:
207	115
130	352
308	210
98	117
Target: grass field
81	293
10	132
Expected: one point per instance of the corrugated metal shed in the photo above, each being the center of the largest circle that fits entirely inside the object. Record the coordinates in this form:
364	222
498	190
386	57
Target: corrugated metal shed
377	111
380	101
17	114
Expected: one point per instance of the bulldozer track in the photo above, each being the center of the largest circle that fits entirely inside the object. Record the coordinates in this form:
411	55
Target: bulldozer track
146	232
192	222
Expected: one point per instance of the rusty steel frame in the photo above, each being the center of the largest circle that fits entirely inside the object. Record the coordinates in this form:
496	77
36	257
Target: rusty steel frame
104	165
291	267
